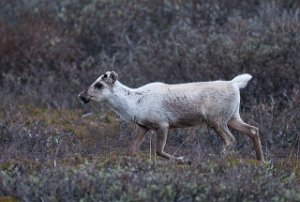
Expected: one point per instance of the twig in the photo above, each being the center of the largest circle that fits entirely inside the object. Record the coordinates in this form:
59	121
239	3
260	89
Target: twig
150	147
292	151
182	144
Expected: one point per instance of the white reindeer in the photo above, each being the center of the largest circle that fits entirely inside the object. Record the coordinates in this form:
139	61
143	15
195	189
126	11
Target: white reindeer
160	107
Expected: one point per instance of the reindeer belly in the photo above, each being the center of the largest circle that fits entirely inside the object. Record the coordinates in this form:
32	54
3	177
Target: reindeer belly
181	115
186	120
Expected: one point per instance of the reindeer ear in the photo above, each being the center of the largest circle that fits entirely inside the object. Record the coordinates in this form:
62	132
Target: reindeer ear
109	77
113	76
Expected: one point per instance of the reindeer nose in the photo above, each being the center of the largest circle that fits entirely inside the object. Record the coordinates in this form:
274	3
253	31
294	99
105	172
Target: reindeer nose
83	97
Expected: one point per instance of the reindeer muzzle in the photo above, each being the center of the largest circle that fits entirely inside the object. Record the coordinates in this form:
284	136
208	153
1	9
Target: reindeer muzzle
83	97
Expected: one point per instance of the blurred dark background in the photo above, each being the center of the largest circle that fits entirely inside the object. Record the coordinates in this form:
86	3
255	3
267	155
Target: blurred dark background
51	50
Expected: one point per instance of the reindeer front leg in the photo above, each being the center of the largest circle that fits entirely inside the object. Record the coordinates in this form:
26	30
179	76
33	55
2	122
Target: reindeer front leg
161	140
137	140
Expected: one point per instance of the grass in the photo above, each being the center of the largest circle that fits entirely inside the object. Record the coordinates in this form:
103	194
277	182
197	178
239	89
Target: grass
113	175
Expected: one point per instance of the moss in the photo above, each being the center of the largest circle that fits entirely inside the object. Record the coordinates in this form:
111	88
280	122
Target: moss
232	162
4	165
69	121
289	165
8	199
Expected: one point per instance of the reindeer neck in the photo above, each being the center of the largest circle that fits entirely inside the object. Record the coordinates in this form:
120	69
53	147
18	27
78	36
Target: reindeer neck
121	101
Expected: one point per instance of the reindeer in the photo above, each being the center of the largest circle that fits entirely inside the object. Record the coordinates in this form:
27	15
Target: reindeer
160	107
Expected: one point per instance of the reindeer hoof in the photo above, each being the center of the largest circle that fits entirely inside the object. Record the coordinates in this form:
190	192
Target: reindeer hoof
183	160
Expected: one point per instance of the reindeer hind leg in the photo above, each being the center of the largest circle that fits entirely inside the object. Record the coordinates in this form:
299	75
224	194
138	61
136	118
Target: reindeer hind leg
251	131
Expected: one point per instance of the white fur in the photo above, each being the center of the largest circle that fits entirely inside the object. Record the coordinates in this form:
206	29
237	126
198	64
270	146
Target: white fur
179	105
159	106
241	80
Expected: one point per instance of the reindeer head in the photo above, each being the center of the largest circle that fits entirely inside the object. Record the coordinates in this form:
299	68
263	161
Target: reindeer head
99	90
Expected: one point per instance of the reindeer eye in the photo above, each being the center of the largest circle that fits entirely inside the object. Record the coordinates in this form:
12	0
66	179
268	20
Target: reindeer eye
98	85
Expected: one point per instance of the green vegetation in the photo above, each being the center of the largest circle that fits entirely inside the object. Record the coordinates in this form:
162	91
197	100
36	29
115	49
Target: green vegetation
134	179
